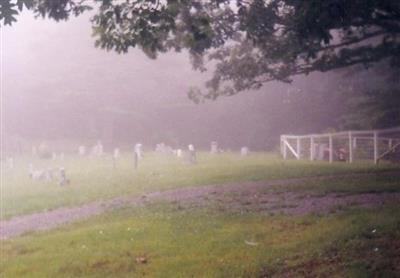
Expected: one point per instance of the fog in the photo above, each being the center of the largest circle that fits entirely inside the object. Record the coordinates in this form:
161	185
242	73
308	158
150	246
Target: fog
56	86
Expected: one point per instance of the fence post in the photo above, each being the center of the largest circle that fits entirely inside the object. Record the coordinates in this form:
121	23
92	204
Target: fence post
375	147
298	148
330	149
350	148
312	148
284	147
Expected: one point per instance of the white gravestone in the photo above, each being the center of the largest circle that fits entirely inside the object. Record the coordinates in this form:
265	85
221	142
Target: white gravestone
115	156
81	150
35	174
160	147
192	154
100	149
139	150
10	163
116	153
214	147
97	150
48	175
244	151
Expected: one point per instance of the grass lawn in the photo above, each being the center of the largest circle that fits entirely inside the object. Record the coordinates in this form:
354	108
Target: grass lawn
381	182
95	178
166	241
169	240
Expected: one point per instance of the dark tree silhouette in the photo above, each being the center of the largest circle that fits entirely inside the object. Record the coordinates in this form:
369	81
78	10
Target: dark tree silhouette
248	42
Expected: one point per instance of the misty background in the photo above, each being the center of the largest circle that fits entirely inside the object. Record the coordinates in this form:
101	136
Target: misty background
56	86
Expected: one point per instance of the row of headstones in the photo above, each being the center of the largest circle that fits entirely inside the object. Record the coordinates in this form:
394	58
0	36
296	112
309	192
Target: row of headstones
59	174
189	155
165	149
43	148
98	150
244	151
49	175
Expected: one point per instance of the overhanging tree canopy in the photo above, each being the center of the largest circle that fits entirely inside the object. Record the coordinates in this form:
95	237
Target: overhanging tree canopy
248	42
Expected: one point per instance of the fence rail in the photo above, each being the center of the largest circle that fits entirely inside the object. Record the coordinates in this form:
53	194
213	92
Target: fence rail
374	145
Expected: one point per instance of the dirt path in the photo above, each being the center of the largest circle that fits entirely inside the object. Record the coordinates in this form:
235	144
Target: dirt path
234	196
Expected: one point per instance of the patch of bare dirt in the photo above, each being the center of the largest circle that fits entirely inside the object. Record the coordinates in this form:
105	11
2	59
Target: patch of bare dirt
231	197
252	196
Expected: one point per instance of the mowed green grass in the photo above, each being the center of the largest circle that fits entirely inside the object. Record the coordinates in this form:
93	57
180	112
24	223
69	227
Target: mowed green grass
95	179
375	183
209	243
213	241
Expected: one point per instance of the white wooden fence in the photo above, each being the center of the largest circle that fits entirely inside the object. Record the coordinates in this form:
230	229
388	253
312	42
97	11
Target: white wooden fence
373	145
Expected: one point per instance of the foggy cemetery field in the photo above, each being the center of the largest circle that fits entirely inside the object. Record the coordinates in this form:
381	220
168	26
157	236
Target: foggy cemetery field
244	226
95	178
228	82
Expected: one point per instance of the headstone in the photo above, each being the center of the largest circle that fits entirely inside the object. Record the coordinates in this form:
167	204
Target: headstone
35	174
244	151
192	154
115	157
116	153
100	149
135	160
164	149
160	147
214	147
139	150
179	153
10	163
97	150
63	177
81	150
48	175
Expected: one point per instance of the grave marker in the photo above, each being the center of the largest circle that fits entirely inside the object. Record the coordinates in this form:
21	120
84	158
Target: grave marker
63	177
214	147
10	163
139	150
244	151
81	150
192	154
